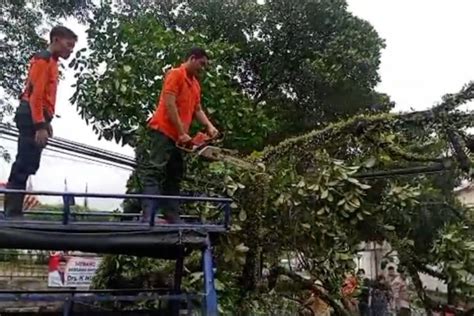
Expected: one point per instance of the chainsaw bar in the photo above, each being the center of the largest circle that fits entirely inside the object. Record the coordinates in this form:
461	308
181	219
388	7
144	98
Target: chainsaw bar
201	145
214	153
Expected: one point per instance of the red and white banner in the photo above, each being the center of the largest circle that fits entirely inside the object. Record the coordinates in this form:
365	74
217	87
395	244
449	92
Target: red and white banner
29	202
71	271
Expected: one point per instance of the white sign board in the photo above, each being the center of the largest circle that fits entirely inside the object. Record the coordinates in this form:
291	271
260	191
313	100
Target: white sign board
73	271
80	271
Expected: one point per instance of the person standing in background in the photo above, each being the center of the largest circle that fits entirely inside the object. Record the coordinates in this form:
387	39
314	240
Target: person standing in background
380	295
401	297
364	293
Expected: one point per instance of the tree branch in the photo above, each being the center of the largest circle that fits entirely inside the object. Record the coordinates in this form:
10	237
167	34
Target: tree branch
420	266
428	303
302	303
357	125
405	171
306	284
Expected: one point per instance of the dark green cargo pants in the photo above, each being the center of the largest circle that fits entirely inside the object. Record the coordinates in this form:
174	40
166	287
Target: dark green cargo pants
160	166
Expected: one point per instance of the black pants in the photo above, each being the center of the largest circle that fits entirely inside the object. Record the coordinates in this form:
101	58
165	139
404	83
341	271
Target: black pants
160	166
27	160
364	309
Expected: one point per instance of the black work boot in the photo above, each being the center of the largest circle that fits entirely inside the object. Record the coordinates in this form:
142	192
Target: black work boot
172	217
147	210
14	205
148	205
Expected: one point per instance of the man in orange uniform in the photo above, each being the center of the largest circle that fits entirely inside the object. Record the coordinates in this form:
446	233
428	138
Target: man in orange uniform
161	166
35	113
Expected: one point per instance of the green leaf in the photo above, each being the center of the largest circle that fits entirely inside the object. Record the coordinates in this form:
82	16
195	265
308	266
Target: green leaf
241	248
370	163
353	180
344	256
355	202
242	215
324	194
219	285
389	227
349	208
305	225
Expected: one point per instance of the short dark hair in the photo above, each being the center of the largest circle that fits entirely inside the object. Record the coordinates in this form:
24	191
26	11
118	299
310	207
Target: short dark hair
361	271
63	32
197	52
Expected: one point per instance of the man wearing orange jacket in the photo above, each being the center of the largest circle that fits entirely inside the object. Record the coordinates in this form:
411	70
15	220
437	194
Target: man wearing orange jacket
160	164
35	113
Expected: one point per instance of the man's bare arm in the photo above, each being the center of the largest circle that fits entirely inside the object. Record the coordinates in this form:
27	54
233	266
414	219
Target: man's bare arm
170	101
202	117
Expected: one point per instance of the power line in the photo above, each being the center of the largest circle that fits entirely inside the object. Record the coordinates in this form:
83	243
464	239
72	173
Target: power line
9	130
86	150
82	159
99	155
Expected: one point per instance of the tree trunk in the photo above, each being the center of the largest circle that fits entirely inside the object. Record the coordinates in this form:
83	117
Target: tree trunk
253	203
451	294
425	299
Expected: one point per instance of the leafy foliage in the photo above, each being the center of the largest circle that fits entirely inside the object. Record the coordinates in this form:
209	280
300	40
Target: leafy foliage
307	61
314	199
127	93
455	246
256	88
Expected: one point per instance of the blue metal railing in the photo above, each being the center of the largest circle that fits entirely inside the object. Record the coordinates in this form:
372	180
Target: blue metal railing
68	198
70	297
209	297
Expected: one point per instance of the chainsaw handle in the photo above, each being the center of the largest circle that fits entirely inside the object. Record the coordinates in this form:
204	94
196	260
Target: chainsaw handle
200	140
187	147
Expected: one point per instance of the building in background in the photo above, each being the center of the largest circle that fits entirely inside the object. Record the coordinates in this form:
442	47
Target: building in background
370	258
465	194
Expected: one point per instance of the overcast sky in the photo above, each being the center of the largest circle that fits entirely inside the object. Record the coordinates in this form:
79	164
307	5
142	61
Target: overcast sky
429	53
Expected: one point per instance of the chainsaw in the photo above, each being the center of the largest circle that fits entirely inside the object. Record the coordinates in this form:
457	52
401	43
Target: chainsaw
202	145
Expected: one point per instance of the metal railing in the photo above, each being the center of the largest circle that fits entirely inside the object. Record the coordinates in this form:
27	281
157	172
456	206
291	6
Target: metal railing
68	215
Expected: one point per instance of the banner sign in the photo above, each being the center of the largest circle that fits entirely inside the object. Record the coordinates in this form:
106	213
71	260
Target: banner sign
72	271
